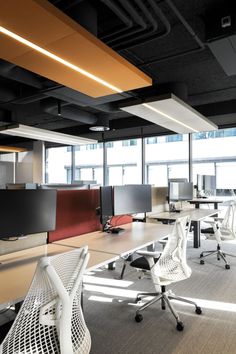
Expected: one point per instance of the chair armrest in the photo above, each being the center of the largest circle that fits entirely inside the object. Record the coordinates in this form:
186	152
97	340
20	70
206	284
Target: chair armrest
149	253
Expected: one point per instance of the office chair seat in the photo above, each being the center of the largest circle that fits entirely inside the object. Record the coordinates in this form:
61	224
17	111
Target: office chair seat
170	267
50	320
222	229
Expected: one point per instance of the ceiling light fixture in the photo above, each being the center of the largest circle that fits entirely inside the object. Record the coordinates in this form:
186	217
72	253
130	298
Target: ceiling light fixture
58	59
63	51
44	135
4	148
172	113
99	128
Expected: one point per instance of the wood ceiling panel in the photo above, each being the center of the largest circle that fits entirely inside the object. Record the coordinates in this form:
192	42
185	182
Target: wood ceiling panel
44	25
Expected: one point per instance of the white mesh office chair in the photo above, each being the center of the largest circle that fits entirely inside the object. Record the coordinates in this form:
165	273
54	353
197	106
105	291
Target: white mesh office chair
170	267
51	319
222	229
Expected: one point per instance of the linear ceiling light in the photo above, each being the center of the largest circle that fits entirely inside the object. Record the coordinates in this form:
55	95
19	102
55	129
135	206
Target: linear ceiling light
4	148
58	59
41	38
172	113
44	135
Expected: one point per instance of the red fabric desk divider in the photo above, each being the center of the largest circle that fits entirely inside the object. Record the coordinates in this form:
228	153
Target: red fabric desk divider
76	213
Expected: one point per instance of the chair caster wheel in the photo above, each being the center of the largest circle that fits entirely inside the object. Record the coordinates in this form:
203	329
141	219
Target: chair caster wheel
137	299
202	261
198	310
227	266
138	317
180	326
201	255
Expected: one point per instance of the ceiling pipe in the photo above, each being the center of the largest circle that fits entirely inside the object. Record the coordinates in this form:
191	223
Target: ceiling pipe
136	18
13	72
201	45
148	36
68	111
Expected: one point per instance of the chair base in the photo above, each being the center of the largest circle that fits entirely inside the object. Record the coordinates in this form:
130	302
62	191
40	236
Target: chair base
220	255
165	297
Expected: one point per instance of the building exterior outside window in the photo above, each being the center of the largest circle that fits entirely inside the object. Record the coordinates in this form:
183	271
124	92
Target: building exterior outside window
213	153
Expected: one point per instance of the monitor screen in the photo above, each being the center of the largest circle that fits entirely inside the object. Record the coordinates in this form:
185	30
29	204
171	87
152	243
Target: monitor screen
206	182
132	199
106	201
26	211
180	191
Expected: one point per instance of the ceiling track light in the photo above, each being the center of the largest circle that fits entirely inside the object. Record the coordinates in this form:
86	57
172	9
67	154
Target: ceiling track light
170	112
44	135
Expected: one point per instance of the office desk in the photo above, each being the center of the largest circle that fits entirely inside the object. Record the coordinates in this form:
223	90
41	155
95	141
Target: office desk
199	201
17	269
196	216
136	235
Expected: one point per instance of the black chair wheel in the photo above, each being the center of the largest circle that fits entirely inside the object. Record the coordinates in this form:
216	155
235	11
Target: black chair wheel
202	261
138	317
201	255
198	310
227	266
137	299
180	326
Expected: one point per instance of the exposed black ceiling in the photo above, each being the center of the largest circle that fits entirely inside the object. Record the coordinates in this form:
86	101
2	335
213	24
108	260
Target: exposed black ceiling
168	40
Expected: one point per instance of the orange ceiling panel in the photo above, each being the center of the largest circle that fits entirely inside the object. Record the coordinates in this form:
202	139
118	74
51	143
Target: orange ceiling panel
44	25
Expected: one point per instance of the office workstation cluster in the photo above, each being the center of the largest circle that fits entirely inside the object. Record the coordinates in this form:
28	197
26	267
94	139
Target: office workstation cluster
99	219
117	128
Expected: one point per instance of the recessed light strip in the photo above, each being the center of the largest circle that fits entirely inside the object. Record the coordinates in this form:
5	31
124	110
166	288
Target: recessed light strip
58	59
169	117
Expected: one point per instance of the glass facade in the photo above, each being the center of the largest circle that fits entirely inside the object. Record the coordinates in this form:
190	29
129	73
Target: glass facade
150	160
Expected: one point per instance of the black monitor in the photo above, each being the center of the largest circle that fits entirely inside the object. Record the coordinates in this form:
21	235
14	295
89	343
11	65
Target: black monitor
25	211
123	200
132	199
180	191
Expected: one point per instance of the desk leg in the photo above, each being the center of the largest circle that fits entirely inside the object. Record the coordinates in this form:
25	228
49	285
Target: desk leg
197	206
216	205
196	234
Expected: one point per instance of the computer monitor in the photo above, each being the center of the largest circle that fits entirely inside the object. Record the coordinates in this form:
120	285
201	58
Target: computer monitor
25	211
206	182
123	200
180	191
132	199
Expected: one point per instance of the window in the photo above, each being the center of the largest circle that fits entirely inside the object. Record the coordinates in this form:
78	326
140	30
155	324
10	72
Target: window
167	158
89	163
58	165
124	162
214	154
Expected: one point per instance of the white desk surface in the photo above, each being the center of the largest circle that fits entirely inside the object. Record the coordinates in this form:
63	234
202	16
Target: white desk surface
195	214
136	235
17	269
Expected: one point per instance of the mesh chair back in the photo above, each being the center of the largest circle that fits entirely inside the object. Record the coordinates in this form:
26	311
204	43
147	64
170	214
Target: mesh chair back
51	319
228	225
172	265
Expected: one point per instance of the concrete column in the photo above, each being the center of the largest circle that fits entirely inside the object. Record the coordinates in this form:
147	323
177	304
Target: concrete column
38	162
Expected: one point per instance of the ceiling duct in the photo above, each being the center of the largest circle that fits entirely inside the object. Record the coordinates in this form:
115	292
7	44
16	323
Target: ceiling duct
68	111
13	72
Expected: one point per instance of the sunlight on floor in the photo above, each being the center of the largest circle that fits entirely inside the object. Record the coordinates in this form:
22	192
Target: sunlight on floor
106	281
